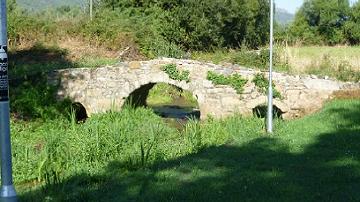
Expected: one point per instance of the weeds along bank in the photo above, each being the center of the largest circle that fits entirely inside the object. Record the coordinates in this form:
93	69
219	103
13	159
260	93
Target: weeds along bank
135	147
50	151
49	147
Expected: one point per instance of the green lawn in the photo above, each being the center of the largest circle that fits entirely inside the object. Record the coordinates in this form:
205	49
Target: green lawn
315	158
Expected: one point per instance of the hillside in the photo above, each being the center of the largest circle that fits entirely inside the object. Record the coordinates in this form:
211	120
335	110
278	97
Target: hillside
38	5
283	17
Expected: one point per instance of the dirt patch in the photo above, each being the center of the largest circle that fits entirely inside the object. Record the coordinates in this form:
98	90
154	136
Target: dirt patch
74	49
346	94
78	48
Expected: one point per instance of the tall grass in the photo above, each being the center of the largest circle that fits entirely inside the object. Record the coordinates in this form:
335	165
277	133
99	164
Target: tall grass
135	149
341	62
53	150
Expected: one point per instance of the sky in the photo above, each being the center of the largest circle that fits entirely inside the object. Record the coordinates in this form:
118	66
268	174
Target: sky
293	5
289	5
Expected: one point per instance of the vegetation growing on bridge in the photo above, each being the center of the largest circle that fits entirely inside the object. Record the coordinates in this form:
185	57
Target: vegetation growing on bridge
174	73
262	84
235	80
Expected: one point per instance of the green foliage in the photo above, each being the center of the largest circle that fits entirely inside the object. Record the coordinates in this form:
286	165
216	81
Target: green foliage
258	59
352	26
196	25
262	84
326	22
25	27
325	153
33	99
235	80
51	151
95	62
175	74
253	59
343	72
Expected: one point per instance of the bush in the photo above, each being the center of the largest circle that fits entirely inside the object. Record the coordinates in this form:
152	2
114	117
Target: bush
262	84
236	81
258	59
197	25
175	74
34	99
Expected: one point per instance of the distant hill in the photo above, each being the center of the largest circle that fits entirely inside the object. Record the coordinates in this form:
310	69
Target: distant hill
283	17
39	5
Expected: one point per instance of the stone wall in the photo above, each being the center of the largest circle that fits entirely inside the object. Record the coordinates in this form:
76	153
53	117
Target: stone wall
105	88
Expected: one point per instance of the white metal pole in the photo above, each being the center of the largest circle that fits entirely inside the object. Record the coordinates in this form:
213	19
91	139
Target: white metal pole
91	9
7	193
270	89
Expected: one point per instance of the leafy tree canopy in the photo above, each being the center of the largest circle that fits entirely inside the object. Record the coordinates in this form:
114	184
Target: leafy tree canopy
324	22
200	25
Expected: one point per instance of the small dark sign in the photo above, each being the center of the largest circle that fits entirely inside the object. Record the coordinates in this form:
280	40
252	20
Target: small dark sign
4	80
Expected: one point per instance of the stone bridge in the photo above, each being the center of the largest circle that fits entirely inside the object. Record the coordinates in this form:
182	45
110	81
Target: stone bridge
101	89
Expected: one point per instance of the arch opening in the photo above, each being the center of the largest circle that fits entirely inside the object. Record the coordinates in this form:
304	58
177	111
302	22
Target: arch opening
261	112
138	97
79	111
166	100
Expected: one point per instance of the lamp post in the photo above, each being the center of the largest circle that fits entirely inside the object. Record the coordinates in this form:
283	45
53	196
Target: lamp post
7	193
269	125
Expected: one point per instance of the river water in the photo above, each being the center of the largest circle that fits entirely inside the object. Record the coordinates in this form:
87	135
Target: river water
177	113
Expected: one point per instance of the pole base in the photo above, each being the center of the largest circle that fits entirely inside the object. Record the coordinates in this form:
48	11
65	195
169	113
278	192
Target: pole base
8	194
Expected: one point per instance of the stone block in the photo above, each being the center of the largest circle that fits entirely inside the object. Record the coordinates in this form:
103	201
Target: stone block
322	84
134	65
230	101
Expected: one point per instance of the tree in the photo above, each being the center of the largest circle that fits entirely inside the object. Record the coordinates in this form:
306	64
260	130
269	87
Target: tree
352	26
204	25
325	18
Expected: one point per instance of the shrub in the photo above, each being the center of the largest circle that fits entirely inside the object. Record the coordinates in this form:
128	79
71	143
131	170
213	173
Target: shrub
236	81
175	74
262	84
200	25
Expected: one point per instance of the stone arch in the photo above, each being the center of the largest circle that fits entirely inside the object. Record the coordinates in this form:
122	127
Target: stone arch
138	97
80	112
260	111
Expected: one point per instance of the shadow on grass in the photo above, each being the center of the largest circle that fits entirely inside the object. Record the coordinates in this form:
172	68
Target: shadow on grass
36	61
30	95
263	169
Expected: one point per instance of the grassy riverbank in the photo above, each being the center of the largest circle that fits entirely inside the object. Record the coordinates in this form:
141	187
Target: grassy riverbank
133	155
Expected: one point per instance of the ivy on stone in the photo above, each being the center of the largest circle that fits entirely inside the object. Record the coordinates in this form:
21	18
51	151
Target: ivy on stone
235	80
262	83
174	73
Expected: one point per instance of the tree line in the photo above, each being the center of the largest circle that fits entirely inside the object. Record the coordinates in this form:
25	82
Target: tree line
174	27
203	25
325	22
200	25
